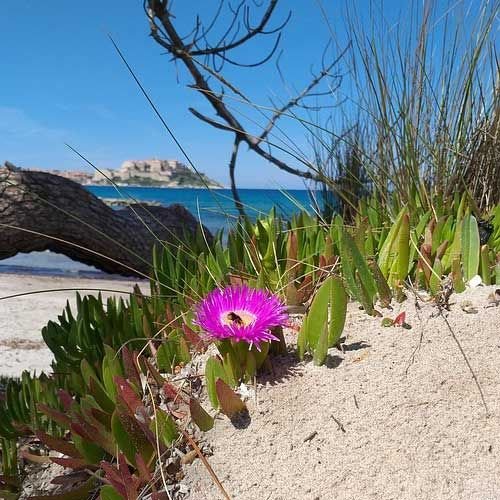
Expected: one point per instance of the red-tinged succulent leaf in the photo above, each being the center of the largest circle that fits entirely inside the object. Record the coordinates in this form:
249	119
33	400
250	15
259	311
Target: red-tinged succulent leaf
142	469
159	495
170	317
58	444
129	359
237	279
305	289
84	491
113	476
400	319
71	478
171	392
137	433
230	402
84	430
65	398
55	415
198	344
37	459
121	479
200	416
71	463
125	471
127	395
121	438
102	417
322	262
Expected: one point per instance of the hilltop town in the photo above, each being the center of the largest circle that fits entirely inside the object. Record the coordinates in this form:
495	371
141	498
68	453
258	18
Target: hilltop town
150	173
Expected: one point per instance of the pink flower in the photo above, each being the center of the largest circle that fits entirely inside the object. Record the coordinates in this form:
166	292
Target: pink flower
241	314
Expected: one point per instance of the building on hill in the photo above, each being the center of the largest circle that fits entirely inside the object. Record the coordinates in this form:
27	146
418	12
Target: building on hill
149	173
160	170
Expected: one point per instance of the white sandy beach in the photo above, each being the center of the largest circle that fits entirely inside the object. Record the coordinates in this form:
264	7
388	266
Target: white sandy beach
397	416
23	317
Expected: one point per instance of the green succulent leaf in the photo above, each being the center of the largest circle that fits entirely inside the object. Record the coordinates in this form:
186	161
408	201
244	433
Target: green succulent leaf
470	246
200	416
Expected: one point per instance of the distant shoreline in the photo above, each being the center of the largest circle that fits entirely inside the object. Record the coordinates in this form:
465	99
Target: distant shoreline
116	184
223	188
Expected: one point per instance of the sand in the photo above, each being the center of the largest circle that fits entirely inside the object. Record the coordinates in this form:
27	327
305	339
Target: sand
22	318
396	416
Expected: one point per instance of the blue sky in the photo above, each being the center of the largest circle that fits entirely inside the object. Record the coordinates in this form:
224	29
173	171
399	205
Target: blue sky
62	82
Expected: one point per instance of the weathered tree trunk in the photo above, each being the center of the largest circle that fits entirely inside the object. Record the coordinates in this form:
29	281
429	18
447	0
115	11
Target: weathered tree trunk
40	211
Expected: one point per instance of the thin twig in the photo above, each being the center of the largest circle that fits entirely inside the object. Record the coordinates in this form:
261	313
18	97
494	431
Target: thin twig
206	464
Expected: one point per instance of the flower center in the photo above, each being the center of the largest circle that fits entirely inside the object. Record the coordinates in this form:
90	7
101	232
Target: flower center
239	318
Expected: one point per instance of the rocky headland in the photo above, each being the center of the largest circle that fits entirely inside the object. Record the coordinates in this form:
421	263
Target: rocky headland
149	173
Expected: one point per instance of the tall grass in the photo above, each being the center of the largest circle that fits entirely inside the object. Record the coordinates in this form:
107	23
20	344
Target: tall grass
422	95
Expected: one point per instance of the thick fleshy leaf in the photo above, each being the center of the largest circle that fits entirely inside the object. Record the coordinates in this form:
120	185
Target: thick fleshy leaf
71	463
400	319
230	403
485	265
403	255
338	311
383	289
128	396
457	276
470	247
111	368
164	427
199	415
107	492
198	344
386	254
92	452
55	415
136	431
130	366
436	276
126	484
79	493
37	459
321	349
213	371
122	439
317	315
58	444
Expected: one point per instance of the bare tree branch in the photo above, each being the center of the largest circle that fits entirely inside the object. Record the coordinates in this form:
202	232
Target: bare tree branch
295	101
205	60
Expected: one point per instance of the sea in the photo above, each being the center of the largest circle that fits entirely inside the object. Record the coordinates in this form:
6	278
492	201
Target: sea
214	208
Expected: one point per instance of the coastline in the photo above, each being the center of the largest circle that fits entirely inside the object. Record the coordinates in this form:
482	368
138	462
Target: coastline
187	186
28	302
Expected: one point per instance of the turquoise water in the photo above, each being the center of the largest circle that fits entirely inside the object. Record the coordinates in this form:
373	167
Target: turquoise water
215	209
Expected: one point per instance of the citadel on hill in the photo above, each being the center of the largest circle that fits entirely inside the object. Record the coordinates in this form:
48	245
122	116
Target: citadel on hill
151	173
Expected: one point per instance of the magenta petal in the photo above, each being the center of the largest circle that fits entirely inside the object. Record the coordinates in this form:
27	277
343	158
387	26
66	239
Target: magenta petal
266	308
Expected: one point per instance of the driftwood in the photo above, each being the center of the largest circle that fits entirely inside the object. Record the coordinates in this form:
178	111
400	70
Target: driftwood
40	211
